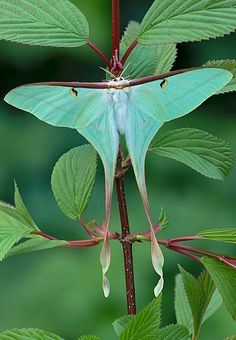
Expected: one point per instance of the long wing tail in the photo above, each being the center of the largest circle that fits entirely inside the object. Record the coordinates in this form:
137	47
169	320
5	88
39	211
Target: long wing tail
91	112
151	105
139	133
103	135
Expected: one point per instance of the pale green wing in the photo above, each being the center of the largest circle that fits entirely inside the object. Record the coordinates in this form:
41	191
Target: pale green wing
59	105
151	105
140	130
154	103
90	111
102	134
178	95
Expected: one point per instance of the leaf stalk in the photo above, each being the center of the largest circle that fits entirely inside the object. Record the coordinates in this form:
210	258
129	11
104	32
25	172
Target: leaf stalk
129	50
100	53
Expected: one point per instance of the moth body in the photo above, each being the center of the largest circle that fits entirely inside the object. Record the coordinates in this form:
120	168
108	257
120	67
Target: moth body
120	97
120	108
118	84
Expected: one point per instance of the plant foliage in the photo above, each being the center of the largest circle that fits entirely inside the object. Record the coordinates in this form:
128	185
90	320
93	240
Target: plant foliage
144	61
56	23
175	21
203	152
224	278
73	179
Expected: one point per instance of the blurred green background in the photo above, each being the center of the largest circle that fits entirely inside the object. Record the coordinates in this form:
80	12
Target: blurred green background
60	290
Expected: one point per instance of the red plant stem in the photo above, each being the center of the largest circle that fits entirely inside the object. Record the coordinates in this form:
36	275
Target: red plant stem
186	249
176	249
88	231
120	189
49	237
198	251
116	27
182	239
126	244
78	244
82	243
181	249
129	50
99	52
229	263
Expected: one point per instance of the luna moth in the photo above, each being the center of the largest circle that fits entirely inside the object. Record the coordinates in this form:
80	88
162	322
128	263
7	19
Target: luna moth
101	112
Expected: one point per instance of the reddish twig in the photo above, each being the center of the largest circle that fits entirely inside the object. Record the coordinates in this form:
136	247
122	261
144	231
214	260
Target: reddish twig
197	251
125	240
129	50
126	244
73	244
117	66
88	231
182	252
183	239
83	243
186	250
116	27
48	237
156	228
99	52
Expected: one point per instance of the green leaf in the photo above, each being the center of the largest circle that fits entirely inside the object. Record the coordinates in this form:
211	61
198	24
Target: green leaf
163	219
145	324
20	213
28	333
199	293
56	23
175	21
182	308
229	65
73	179
17	214
11	211
11	231
233	337
23	212
166	55
89	337
146	61
224	278
220	234
130	34
35	243
173	332
214	305
203	152
120	324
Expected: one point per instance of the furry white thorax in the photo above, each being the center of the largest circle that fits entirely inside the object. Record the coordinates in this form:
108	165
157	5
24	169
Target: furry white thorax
118	84
120	103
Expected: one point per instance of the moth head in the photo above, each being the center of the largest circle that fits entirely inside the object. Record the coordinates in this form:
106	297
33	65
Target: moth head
117	78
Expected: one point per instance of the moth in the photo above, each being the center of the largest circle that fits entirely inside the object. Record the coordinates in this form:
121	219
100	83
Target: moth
103	111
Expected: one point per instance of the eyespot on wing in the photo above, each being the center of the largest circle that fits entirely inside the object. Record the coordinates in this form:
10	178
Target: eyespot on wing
164	83
74	92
